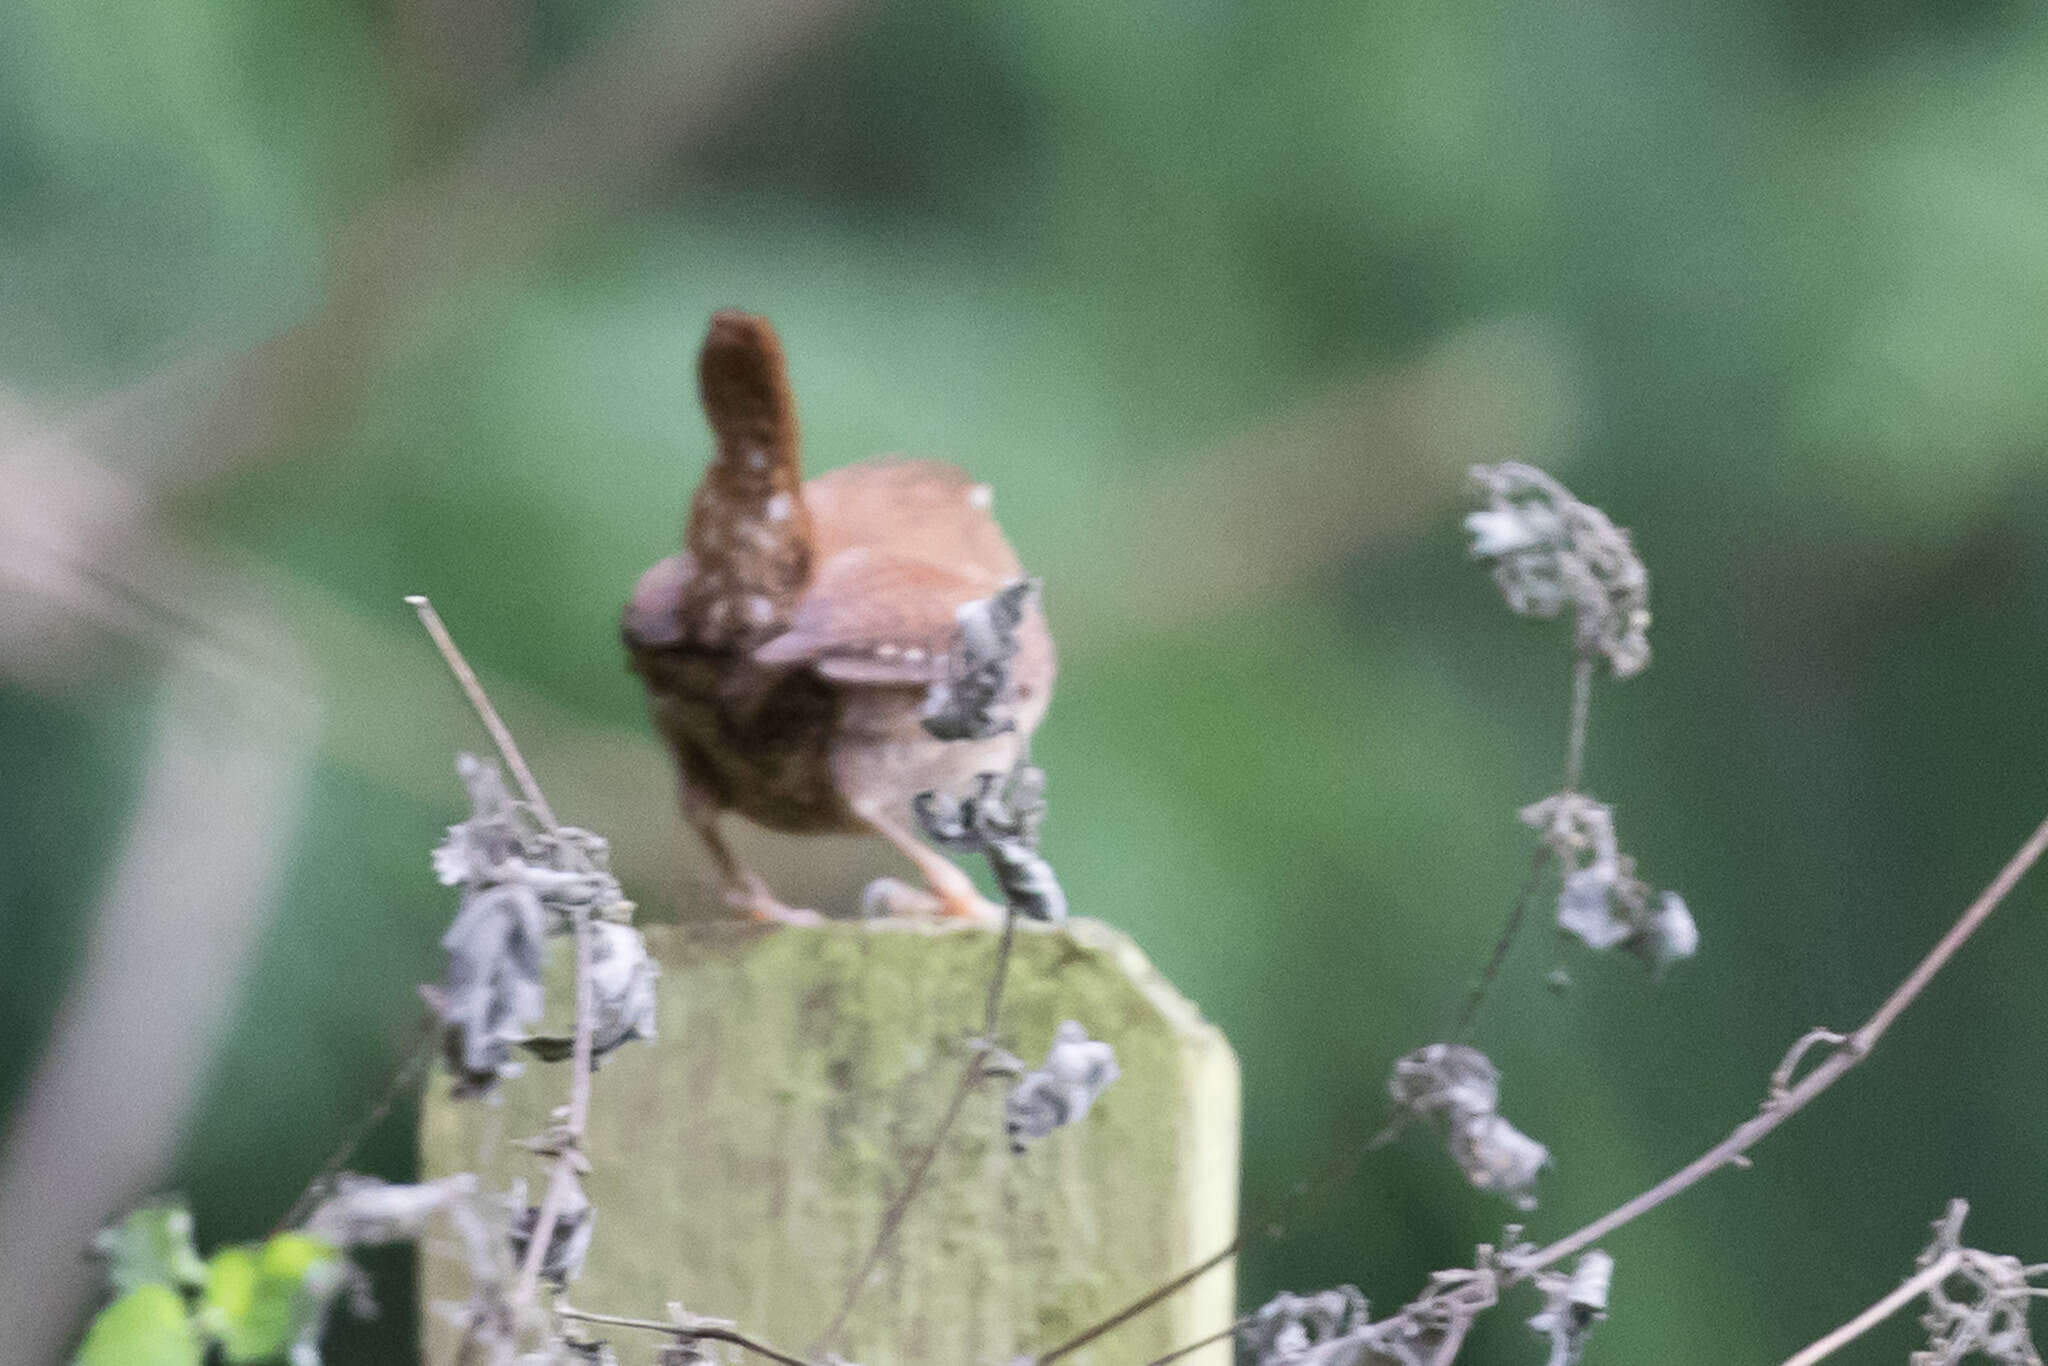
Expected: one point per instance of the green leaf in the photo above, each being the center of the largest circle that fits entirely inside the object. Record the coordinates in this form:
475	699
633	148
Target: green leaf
260	1300
144	1327
151	1246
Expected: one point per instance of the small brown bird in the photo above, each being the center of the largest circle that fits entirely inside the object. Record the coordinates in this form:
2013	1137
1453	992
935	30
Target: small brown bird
792	651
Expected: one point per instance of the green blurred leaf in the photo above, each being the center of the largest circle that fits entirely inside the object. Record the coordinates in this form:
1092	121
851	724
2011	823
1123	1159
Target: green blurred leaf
145	1327
151	1246
260	1300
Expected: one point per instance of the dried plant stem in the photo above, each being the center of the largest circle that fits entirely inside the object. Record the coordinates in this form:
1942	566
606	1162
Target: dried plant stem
920	1167
1338	1171
1139	1305
1538	863
708	1331
416	1060
1582	708
992	1007
1785	1102
1219	1335
569	1138
562	1180
473	688
1930	1276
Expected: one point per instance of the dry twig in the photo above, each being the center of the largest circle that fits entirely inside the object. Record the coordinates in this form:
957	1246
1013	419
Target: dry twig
1993	1322
1784	1099
568	1139
1782	1105
686	1328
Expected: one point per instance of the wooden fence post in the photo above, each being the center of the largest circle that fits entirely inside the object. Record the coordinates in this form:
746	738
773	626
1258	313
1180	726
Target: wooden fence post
743	1161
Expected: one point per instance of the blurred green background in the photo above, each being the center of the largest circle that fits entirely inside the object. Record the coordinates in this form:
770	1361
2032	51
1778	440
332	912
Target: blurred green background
310	304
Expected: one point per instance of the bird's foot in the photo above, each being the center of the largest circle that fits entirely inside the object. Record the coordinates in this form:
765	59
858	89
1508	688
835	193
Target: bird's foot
758	904
888	896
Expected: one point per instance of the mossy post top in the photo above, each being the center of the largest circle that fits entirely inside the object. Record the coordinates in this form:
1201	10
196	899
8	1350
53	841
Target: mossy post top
742	1161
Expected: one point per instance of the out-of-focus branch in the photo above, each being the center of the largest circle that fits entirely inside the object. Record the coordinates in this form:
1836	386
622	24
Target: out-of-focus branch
579	150
197	874
1198	1344
1783	1103
1369	461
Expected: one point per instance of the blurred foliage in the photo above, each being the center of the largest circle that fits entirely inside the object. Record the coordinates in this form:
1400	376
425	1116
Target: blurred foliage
255	1302
145	1326
1797	255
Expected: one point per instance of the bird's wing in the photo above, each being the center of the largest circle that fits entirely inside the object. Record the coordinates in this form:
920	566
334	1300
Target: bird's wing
920	509
653	616
870	617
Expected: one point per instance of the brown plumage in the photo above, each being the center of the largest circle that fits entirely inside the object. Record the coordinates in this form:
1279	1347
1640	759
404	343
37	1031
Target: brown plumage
788	650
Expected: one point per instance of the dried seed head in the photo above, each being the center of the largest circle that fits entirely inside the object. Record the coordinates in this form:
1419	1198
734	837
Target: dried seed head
1551	551
622	976
1305	1330
1459	1088
364	1211
1445	1078
1497	1157
1572	1305
1600	898
520	883
1000	821
976	699
1989	1316
1077	1070
568	1244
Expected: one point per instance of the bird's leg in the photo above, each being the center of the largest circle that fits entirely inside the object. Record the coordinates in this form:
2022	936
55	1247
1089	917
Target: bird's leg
953	893
741	887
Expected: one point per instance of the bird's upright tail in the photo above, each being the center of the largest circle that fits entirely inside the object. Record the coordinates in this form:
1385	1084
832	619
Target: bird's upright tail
744	383
749	535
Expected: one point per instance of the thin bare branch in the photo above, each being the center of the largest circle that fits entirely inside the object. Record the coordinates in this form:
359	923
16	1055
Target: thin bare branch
1574	773
1788	1098
1582	707
712	1330
473	688
1932	1275
569	1159
1219	1335
562	1179
1538	863
1788	1067
998	979
1139	1305
416	1059
1304	1193
1783	1105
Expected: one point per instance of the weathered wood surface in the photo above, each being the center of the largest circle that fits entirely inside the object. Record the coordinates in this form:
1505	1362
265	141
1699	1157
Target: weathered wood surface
743	1161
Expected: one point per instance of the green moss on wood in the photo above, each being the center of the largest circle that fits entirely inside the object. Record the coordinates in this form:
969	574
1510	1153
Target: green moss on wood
743	1160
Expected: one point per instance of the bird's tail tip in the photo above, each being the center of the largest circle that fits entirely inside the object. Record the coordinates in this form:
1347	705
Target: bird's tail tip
745	380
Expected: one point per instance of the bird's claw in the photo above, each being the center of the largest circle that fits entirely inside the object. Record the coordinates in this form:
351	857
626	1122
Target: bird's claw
888	897
975	909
